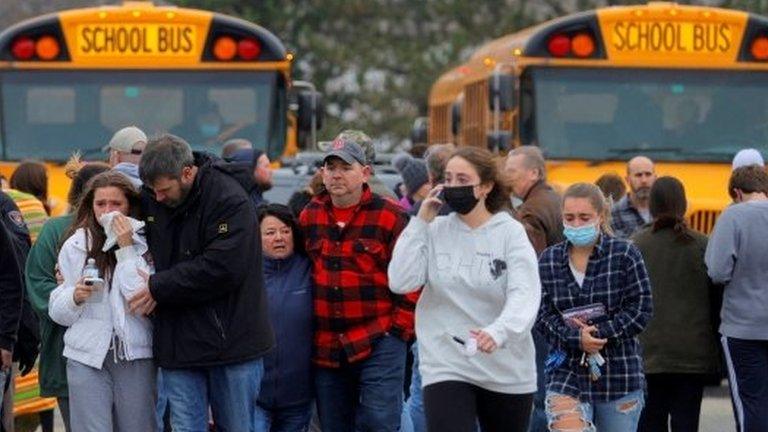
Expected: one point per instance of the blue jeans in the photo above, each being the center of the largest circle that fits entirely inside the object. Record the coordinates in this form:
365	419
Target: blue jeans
366	395
162	401
621	415
290	419
539	415
414	406
231	391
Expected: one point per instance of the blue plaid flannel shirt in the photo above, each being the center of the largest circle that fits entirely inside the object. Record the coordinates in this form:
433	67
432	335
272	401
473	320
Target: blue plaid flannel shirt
616	277
625	219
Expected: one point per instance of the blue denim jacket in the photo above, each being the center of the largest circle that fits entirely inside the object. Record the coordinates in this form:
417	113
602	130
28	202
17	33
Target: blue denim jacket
288	369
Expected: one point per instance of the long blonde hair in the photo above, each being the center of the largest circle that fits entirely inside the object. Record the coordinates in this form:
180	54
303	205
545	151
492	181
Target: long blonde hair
596	199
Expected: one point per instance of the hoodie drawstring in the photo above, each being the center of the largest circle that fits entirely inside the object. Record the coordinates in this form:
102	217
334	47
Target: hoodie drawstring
118	349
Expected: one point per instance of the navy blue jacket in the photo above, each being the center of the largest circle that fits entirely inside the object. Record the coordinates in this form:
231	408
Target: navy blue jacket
288	369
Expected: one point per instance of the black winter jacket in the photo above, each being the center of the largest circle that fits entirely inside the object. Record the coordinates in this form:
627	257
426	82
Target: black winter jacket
208	283
27	344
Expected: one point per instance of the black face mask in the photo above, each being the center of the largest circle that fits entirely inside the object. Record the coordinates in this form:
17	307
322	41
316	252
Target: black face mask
461	198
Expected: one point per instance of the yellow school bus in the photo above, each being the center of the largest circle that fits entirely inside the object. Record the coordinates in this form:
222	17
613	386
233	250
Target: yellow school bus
70	79
684	85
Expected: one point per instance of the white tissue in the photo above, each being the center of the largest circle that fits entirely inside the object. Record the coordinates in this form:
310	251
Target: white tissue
106	221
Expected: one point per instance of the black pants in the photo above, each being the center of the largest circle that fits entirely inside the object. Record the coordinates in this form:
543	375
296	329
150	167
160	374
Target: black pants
747	365
673	403
454	406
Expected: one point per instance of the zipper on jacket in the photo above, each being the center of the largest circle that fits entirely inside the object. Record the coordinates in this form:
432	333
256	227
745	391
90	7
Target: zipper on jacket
219	325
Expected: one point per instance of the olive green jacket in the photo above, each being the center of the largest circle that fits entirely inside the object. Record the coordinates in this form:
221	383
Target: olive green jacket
682	336
40	278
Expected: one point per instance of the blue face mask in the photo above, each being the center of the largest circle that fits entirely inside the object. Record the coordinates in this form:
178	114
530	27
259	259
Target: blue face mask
209	130
581	236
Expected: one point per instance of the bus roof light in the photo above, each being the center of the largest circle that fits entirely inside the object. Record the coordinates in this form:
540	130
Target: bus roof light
559	45
224	48
248	49
583	45
759	48
47	48
23	48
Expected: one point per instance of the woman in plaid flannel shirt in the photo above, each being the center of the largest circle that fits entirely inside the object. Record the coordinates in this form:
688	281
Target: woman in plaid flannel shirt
592	268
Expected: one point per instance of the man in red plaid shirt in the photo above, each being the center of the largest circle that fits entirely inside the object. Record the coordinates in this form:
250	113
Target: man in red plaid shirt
361	327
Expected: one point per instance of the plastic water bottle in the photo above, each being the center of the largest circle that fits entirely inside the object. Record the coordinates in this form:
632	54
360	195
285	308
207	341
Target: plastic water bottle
91	277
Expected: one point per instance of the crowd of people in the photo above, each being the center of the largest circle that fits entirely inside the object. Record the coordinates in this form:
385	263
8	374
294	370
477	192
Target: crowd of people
478	297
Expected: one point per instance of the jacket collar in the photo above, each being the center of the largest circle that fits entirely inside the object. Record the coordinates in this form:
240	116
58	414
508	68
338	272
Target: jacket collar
538	185
625	203
275	265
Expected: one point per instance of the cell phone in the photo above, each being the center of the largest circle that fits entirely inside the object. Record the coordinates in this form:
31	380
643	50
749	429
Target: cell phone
95	282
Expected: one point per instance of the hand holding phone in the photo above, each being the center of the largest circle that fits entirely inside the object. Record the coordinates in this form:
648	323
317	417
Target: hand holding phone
88	289
431	204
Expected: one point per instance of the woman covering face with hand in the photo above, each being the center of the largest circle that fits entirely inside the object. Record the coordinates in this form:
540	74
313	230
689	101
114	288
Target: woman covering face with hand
110	370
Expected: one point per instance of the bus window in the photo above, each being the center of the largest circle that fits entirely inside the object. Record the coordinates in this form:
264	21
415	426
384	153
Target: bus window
50	105
133	101
696	116
85	112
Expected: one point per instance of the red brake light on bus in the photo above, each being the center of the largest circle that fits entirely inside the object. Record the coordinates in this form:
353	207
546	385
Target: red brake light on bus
559	45
225	48
47	48
583	45
759	48
23	48
248	49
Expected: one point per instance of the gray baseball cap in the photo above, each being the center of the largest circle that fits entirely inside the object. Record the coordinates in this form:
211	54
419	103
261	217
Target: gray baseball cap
346	150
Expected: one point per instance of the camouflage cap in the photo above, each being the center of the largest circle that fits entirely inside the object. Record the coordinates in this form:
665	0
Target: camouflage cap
361	139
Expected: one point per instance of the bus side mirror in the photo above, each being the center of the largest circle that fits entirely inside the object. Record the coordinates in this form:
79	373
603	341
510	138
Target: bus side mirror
501	91
419	130
311	110
499	141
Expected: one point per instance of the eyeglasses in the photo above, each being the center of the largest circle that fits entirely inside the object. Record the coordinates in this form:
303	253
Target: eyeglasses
136	151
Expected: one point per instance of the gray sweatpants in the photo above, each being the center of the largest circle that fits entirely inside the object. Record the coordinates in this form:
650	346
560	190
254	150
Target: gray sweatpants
120	397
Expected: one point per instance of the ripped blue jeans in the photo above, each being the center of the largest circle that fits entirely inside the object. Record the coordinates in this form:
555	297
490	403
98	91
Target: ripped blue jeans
567	414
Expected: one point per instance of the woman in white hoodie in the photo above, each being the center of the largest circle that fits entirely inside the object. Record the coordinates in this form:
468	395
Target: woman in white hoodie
481	289
110	369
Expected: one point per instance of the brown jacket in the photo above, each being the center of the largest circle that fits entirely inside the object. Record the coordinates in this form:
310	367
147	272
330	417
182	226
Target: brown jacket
541	215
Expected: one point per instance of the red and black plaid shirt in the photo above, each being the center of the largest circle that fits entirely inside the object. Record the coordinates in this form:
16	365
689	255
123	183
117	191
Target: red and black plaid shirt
353	304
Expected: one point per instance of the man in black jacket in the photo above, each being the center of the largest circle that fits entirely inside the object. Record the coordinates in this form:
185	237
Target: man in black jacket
210	319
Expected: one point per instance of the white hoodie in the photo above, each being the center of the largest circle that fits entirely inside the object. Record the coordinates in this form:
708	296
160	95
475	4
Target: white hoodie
484	278
91	325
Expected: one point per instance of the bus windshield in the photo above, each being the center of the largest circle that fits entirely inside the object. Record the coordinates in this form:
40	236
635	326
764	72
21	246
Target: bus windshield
673	115
49	115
